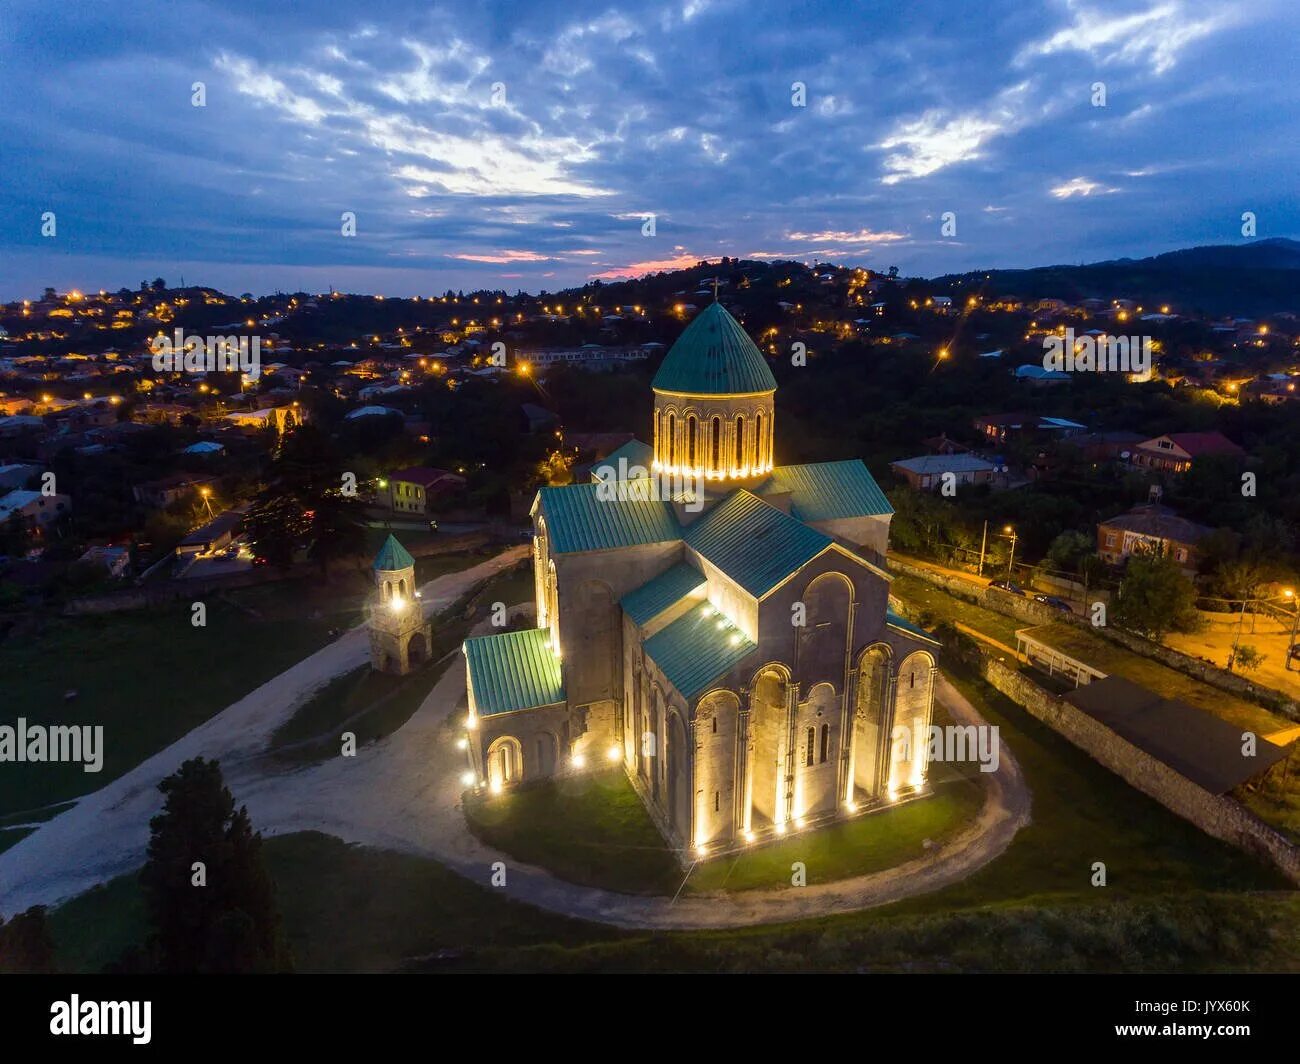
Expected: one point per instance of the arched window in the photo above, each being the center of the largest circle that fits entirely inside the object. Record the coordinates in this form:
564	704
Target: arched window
826	743
659	438
692	449
715	725
715	801
811	747
742	451
760	449
716	459
671	449
388	589
401	588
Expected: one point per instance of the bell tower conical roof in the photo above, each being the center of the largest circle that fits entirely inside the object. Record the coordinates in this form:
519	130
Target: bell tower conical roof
392	557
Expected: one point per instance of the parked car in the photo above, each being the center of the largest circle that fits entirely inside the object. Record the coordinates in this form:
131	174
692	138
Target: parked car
1055	603
1008	587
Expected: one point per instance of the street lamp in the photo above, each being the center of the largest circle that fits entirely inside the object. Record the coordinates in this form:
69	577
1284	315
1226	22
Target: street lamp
1295	617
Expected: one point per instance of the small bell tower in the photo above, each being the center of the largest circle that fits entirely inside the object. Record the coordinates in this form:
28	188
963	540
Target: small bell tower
401	640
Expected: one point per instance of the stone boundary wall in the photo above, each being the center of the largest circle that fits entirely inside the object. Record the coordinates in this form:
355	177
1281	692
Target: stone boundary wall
1216	815
1031	612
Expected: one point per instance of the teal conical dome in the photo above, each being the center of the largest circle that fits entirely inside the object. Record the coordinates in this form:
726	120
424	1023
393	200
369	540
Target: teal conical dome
714	356
392	557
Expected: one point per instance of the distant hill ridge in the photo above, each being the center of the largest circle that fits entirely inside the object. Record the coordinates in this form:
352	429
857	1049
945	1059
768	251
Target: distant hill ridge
1251	279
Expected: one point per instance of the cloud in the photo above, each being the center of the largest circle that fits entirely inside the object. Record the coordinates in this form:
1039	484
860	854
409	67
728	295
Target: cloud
503	257
680	261
270	90
936	140
470	157
861	236
570	53
432	81
1154	36
1080	186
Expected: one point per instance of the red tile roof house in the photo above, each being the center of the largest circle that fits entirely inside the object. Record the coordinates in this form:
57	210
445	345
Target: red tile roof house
1175	452
1152	529
411	489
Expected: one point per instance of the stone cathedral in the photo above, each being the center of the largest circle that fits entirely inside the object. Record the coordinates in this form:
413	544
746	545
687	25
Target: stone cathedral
732	646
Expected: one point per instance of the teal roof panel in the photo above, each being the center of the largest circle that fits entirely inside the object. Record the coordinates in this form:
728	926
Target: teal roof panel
583	517
714	356
513	670
392	556
698	648
636	456
754	543
649	600
824	491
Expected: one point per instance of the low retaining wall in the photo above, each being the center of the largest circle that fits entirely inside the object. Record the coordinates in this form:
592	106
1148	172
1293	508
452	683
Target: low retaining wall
1216	815
1031	612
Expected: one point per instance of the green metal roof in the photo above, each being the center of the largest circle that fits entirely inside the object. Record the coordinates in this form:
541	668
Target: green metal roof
581	517
636	454
754	543
697	648
898	621
513	670
714	356
824	491
654	596
392	556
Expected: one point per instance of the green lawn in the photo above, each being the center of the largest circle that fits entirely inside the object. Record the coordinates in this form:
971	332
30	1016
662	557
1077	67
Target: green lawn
594	831
345	908
351	908
930	605
1083	813
149	676
857	847
591	830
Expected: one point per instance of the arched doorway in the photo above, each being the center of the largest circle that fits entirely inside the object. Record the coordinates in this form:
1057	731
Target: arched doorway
417	650
504	762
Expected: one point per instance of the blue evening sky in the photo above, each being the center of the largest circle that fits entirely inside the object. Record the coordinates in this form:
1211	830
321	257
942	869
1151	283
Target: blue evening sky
517	145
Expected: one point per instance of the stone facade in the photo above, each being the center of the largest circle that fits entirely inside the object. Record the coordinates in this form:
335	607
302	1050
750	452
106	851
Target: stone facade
784	720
